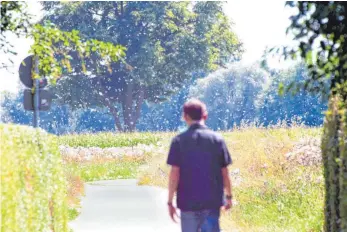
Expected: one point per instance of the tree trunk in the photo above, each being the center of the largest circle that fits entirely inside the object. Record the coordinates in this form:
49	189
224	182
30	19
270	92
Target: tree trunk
138	104
132	106
114	113
109	105
127	105
334	152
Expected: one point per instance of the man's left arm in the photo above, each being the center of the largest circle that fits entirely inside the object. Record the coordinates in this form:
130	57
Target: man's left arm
225	161
173	182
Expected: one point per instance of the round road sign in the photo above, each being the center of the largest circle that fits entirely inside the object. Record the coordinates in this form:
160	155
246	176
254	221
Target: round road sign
25	72
25	69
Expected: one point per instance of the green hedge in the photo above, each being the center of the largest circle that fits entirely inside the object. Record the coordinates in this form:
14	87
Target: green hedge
104	140
334	148
33	186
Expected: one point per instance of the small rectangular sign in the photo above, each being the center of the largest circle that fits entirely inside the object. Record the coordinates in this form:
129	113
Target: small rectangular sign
45	100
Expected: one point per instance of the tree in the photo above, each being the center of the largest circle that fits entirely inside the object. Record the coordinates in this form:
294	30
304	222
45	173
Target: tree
275	106
231	94
166	42
320	28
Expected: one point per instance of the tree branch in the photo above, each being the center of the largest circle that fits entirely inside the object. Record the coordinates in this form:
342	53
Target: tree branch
122	8
116	12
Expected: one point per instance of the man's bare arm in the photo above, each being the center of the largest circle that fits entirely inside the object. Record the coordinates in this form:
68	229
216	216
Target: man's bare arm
226	181
173	182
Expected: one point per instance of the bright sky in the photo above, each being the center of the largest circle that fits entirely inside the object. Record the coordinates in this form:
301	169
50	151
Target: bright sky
259	24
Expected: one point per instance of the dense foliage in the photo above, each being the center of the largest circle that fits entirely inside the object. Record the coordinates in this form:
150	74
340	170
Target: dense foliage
33	187
166	42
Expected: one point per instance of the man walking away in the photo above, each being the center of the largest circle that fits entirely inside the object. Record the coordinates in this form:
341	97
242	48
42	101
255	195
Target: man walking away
199	174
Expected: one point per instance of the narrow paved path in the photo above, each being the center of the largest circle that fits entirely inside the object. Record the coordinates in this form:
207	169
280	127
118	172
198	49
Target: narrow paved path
121	205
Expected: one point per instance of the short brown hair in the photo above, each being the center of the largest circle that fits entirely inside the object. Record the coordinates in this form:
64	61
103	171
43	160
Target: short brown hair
195	109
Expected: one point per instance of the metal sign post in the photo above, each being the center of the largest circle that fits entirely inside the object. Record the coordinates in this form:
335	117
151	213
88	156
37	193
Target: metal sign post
40	99
36	117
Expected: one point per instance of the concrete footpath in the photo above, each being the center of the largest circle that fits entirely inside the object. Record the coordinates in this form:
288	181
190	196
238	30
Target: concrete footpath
121	205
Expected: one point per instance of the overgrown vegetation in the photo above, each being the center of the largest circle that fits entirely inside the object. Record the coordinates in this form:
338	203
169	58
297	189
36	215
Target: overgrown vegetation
33	187
271	192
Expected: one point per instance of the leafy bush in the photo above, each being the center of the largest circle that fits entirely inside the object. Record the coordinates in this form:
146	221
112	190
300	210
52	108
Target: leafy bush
33	187
104	140
334	150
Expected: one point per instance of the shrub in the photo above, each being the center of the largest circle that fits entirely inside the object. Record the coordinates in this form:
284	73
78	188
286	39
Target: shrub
334	150
33	187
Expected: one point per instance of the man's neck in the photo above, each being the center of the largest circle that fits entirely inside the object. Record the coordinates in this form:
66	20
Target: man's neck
200	122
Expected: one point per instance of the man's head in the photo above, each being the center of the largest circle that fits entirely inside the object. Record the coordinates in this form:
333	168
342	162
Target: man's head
194	111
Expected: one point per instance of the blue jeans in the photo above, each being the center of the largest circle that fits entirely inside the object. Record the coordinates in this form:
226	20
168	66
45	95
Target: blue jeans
200	221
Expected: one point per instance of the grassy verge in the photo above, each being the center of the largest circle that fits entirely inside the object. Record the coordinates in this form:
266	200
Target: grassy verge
271	193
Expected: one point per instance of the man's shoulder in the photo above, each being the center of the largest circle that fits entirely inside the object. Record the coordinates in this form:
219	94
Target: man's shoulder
208	133
213	134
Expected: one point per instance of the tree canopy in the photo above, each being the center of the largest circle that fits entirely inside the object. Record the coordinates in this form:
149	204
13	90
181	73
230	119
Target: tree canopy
320	28
166	43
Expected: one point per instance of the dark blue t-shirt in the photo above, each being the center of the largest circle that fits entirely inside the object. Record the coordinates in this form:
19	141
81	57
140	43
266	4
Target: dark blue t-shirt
201	154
